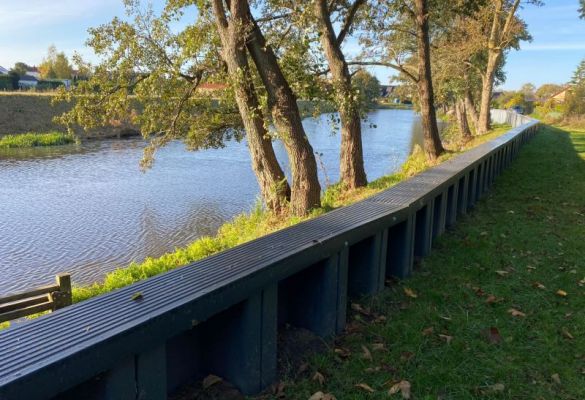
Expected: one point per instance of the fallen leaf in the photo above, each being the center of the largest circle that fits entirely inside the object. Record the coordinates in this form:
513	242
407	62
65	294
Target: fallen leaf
492	335
403	387
211	380
378	346
538	285
446	338
137	296
479	291
516	313
406	355
319	378
342	352
502	273
496	388
410	293
322	396
366	353
370	370
357	307
428	331
556	378
561	293
365	386
567	334
491	299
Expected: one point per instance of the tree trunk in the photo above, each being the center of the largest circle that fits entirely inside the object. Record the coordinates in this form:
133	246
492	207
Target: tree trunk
487	88
352	172
470	109
461	114
306	190
271	179
432	140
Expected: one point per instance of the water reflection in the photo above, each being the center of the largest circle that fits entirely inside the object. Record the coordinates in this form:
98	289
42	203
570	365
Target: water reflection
88	208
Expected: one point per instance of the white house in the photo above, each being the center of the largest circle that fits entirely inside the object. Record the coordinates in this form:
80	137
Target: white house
33	71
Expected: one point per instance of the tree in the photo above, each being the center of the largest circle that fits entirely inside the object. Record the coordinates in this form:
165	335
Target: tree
367	87
282	103
579	74
528	90
506	30
547	90
582	9
20	68
352	171
55	65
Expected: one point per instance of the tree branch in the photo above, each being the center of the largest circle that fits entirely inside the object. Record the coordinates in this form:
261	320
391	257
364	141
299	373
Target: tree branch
349	20
397	67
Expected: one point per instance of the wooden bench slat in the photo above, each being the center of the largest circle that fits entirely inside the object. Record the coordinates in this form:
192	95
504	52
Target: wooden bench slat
23	312
23	303
30	293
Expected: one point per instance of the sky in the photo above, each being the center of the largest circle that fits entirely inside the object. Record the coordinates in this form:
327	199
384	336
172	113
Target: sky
29	27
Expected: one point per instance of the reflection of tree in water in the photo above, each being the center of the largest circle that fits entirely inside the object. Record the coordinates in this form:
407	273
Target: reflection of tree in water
160	232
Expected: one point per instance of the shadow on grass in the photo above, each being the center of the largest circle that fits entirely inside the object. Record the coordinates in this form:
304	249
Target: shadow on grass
497	309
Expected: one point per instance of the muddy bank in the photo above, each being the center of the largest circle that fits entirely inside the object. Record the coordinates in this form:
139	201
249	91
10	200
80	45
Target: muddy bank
24	112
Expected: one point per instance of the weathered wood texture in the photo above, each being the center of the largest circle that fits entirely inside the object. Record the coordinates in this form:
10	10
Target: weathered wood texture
221	315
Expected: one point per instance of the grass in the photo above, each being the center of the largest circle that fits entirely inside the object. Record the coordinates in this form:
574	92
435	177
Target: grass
33	139
522	249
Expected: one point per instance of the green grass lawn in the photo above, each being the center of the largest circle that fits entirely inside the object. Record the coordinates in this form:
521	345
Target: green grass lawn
499	311
34	139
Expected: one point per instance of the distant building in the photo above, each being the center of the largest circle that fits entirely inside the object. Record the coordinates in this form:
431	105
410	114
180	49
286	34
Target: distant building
3	71
496	94
560	97
34	72
27	82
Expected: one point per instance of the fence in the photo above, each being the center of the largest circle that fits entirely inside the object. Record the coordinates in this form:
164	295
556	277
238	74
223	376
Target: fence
45	298
221	315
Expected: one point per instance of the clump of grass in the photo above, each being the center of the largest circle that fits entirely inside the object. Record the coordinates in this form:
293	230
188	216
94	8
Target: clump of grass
33	139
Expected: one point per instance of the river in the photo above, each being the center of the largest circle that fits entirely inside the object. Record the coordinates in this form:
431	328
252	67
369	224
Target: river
88	209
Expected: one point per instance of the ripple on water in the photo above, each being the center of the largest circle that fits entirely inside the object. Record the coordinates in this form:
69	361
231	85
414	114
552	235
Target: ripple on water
88	209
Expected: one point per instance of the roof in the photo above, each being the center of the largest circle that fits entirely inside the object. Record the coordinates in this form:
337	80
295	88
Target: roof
3	71
28	78
32	69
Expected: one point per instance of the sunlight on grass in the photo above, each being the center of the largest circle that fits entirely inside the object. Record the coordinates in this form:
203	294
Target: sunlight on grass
33	139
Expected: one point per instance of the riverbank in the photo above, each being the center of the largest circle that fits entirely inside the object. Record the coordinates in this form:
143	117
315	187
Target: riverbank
496	310
33	139
247	227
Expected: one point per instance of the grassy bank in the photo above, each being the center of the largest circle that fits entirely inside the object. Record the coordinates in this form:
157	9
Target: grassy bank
33	139
247	227
495	312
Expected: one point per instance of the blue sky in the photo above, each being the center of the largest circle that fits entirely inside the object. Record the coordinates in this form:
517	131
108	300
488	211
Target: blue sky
28	28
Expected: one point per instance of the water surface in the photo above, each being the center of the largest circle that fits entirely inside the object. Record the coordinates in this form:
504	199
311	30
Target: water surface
88	209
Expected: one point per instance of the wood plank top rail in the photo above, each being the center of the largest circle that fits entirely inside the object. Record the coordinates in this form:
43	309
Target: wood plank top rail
221	314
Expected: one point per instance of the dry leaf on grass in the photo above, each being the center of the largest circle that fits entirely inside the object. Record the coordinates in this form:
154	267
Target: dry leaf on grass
516	313
561	293
378	347
319	378
502	273
365	386
492	335
211	380
366	353
403	387
556	378
491	299
538	285
410	293
446	338
322	396
567	334
428	331
496	388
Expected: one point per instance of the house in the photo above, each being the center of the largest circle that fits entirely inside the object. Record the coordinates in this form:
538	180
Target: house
34	72
387	90
3	71
27	81
560	97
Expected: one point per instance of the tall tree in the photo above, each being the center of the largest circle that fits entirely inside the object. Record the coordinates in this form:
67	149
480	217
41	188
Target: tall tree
505	32
150	76
233	32
55	65
352	171
282	102
20	68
